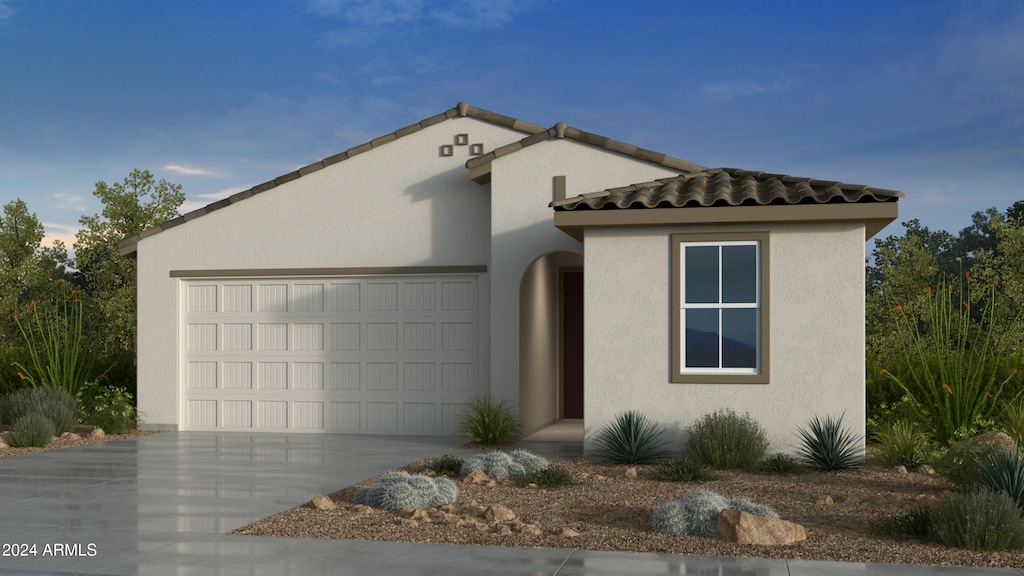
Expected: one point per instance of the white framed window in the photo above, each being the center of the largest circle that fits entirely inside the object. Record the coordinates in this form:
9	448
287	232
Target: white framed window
720	307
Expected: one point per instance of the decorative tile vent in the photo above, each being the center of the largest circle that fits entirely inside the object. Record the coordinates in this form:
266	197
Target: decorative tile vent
475	149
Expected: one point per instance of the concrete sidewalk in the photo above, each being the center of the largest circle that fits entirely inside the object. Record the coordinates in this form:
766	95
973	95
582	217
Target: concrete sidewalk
163	505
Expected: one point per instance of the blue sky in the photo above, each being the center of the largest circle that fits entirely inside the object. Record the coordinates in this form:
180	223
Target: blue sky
926	97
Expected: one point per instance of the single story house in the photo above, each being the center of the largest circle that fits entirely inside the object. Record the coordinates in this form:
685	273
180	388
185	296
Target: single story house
576	276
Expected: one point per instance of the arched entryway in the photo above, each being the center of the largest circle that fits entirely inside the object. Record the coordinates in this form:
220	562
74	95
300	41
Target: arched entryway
551	340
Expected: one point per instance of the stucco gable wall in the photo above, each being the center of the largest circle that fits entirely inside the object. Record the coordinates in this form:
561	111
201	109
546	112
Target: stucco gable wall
398	205
523	230
817	332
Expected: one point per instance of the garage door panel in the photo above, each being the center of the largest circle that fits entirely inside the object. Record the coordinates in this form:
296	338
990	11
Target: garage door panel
374	355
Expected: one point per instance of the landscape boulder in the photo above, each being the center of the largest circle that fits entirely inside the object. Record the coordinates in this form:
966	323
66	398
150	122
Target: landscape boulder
743	528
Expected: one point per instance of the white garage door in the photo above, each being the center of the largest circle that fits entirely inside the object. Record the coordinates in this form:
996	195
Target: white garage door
377	355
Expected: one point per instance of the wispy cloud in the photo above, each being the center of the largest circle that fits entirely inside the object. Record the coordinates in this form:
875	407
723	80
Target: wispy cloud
201	200
71	201
189	170
732	90
480	14
6	12
62	232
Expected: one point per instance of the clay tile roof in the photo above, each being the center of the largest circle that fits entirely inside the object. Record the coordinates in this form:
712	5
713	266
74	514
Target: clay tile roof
726	187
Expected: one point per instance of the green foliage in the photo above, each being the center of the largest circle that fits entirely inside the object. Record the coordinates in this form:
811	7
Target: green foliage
129	207
685	469
53	403
903	443
697	513
396	490
913	524
551	477
979	520
513	465
827	446
727	440
631	439
1011	420
487	422
778	464
106	406
31	430
58	353
955	371
1002	470
447	465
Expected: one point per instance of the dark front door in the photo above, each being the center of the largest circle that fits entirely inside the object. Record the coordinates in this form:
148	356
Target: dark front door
572	343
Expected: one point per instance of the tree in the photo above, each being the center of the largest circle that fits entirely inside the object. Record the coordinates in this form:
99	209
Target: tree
109	279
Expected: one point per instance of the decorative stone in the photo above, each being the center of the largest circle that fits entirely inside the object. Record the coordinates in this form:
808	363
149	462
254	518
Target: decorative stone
598	477
321	502
491	483
502	530
824	500
3	443
531	530
449	508
900	469
409	523
499	513
482	526
847	499
630	473
970	449
743	528
568	533
97	433
420	515
363	509
926	470
532	485
476	477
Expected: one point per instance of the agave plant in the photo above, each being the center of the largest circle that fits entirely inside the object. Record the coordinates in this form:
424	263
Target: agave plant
827	446
631	439
1002	470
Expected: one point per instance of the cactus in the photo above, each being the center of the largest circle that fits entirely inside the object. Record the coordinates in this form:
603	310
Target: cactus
697	513
396	490
498	464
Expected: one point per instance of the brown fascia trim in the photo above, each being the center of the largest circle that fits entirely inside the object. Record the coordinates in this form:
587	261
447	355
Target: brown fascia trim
480	167
369	271
128	246
874	215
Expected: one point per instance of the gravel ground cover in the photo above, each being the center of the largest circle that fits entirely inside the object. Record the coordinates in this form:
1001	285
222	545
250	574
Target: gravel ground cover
612	512
80	437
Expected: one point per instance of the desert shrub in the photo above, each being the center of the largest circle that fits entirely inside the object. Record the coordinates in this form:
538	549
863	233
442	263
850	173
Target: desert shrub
57	350
106	406
53	403
882	416
913	524
683	469
827	446
726	440
697	513
551	477
447	465
31	430
979	520
487	422
779	464
497	464
631	439
1011	421
396	490
10	380
1002	470
960	462
903	443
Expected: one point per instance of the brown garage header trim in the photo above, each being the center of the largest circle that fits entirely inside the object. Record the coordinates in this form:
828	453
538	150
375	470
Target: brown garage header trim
372	271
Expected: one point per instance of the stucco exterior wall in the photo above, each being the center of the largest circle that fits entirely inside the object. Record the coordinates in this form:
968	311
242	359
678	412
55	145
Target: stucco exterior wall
398	205
817	332
522	229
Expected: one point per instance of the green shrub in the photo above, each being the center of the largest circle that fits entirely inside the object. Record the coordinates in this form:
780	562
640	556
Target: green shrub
903	443
779	464
31	430
447	465
683	469
697	513
631	439
551	477
913	524
54	403
884	415
1011	421
513	464
1002	470
726	440
960	463
396	490
827	446
58	355
487	422
108	407
979	520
